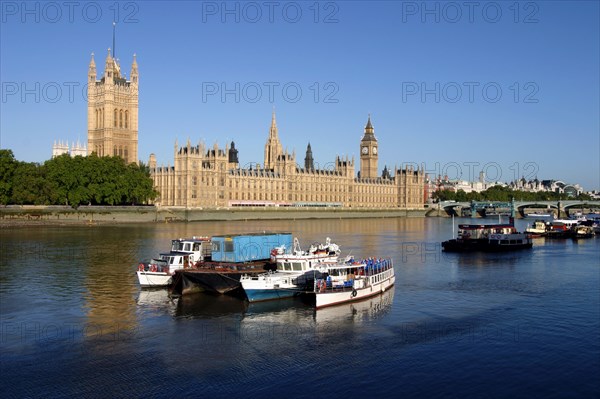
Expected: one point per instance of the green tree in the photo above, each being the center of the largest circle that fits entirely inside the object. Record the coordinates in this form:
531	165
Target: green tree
444	195
62	178
29	186
8	164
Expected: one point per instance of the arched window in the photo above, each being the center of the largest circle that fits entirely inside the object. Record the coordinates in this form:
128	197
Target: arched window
101	118
121	118
115	151
126	119
115	117
126	154
97	117
120	151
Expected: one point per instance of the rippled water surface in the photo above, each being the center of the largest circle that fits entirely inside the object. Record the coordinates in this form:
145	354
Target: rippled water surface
74	321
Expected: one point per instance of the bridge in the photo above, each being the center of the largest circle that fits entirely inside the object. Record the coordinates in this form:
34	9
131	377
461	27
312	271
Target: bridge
561	207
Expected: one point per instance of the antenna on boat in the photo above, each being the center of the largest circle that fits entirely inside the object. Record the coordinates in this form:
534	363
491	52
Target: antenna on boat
452	225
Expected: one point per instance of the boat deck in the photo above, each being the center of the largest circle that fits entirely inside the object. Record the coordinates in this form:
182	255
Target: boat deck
215	277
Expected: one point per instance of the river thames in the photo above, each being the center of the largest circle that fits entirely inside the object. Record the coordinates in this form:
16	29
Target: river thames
74	322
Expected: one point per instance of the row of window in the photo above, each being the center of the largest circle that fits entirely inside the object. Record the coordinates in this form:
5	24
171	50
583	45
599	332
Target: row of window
121	118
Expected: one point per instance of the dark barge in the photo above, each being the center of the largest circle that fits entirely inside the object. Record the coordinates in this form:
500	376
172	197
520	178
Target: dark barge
216	277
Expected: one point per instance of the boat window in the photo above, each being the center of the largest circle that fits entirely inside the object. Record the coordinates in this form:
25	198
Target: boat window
229	246
297	266
180	260
187	247
171	260
216	246
196	246
513	241
504	242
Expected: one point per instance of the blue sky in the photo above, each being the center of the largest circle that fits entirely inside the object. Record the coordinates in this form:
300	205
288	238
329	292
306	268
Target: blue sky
511	88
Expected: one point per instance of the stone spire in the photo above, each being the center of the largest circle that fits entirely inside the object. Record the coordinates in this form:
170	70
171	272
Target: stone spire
273	147
273	129
92	70
133	76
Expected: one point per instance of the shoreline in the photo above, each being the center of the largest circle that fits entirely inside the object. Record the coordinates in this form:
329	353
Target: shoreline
31	215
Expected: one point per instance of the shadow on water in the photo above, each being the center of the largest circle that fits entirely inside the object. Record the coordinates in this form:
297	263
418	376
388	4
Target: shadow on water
206	306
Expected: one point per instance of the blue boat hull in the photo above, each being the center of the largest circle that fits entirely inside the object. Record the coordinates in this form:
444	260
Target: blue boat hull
257	295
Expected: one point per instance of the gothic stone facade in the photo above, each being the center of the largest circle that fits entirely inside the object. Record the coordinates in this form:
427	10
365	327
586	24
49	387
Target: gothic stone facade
113	111
212	177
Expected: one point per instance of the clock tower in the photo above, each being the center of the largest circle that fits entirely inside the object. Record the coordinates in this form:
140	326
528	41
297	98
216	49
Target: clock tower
368	152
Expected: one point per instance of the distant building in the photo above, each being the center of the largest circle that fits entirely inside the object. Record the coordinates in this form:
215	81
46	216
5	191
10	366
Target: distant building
443	183
211	177
555	186
60	148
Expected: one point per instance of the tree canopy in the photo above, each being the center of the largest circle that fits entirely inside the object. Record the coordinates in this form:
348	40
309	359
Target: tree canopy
504	194
66	180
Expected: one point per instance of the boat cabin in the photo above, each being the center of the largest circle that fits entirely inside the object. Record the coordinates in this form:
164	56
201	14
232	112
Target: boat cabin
483	231
178	260
198	247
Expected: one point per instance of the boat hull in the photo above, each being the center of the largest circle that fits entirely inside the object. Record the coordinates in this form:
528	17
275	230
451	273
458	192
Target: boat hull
348	294
482	245
154	279
260	295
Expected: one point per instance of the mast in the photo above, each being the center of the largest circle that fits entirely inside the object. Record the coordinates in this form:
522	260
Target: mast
114	50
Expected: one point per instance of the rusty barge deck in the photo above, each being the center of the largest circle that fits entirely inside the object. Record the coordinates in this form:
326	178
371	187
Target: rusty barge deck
216	277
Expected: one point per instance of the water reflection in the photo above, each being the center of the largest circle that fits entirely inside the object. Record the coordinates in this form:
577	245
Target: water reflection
206	306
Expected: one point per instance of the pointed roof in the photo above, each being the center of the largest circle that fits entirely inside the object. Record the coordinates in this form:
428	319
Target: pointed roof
273	129
369	131
273	121
92	62
369	125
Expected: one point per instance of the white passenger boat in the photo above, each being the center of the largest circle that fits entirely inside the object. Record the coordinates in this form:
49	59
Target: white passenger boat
352	281
328	251
295	272
158	272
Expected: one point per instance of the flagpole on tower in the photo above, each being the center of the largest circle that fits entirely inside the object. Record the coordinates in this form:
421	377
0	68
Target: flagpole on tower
113	49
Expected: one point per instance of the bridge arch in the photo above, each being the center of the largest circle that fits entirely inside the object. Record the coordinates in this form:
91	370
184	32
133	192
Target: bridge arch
534	204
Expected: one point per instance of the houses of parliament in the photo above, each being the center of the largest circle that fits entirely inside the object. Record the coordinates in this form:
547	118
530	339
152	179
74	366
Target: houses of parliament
210	177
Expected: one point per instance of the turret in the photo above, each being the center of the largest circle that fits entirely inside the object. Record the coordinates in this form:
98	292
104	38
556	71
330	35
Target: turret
233	154
92	71
308	160
133	76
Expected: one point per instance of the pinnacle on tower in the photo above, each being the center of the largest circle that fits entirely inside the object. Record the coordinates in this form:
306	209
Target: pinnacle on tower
273	129
369	134
369	125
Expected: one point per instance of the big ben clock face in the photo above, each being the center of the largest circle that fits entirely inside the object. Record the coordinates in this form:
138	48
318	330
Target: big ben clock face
375	150
365	150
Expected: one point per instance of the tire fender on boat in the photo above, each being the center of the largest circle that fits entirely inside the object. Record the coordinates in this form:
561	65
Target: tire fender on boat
153	268
141	267
354	293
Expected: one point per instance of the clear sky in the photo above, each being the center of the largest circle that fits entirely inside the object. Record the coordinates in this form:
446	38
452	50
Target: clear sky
509	87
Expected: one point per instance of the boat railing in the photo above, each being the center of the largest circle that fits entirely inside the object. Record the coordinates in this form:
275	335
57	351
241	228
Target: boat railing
365	270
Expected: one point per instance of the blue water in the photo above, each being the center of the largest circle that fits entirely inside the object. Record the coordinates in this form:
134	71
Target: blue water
522	324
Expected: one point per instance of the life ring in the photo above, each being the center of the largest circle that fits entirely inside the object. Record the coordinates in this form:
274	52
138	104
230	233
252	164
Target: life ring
153	268
354	293
323	286
141	267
